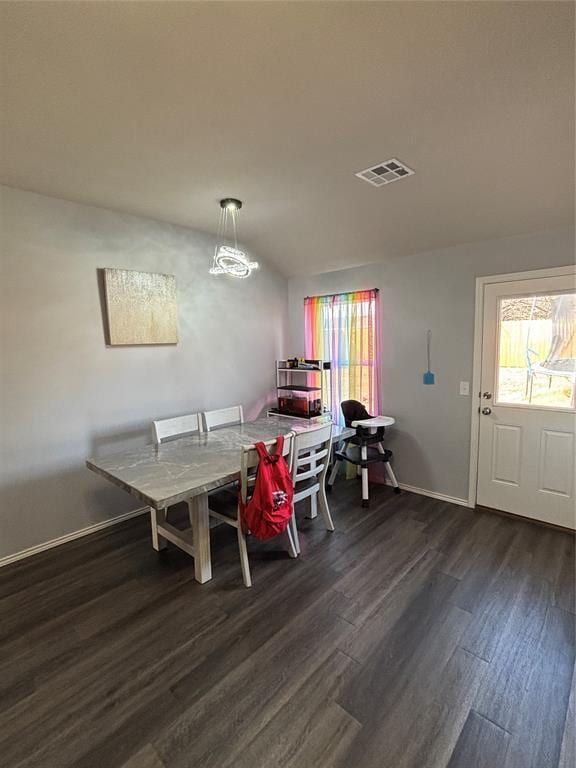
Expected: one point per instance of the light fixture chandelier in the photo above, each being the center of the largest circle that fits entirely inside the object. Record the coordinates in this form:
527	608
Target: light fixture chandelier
228	259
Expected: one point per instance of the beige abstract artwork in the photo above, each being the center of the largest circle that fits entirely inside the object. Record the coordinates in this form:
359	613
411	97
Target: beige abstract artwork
140	307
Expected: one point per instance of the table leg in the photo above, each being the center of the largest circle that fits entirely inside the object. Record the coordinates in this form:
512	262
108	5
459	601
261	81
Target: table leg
200	522
157	517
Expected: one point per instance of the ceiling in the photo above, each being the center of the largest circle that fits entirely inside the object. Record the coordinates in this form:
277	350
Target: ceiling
162	108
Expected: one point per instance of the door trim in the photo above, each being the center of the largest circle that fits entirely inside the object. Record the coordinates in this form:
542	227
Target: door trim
481	282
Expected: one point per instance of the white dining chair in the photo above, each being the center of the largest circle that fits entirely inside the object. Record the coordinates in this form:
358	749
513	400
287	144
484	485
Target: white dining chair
248	464
310	458
162	430
223	417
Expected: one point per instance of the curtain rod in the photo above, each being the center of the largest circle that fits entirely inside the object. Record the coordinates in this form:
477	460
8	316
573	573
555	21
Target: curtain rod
343	293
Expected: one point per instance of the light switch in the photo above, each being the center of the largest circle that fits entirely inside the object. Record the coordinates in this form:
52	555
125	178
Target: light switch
464	387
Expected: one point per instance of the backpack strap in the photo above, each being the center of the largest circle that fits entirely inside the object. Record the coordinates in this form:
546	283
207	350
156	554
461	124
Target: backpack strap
262	452
279	445
267	457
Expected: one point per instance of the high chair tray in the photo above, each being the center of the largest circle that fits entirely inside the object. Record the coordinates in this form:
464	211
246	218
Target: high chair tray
375	422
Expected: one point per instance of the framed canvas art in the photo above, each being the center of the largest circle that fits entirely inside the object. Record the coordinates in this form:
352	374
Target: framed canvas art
140	307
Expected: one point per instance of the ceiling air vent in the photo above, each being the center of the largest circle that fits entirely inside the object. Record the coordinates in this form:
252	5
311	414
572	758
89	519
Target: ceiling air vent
385	173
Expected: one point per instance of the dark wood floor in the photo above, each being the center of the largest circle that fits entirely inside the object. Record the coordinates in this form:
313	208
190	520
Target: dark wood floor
419	635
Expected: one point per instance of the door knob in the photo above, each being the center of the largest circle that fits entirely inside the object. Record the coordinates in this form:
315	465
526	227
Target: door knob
487	395
486	411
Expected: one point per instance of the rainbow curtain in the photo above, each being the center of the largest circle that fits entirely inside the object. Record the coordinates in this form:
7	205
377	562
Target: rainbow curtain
344	328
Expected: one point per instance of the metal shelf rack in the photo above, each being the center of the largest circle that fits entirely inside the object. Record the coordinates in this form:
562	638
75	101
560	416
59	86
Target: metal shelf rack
295	378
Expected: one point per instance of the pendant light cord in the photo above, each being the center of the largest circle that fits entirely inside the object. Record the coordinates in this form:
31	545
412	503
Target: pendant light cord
219	232
233	213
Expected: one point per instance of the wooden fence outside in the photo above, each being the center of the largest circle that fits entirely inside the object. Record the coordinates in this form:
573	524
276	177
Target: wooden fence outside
517	336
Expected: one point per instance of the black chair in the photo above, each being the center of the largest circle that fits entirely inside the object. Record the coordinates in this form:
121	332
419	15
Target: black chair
363	449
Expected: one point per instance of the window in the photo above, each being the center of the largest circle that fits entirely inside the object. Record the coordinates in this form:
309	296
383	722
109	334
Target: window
344	329
537	351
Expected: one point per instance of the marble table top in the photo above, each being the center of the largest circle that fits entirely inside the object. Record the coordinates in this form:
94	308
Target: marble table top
162	475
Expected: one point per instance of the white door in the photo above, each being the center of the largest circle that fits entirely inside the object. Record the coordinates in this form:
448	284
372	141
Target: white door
527	399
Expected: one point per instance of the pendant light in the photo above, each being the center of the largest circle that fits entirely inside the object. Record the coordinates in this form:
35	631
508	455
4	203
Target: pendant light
230	260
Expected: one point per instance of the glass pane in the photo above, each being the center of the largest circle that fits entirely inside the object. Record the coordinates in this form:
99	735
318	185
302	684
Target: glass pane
537	350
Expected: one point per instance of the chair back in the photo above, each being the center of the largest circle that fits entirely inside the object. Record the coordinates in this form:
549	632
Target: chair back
311	455
249	460
162	429
223	417
352	410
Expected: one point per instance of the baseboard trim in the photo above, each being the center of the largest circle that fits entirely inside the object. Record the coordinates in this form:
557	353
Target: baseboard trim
434	495
143	510
71	536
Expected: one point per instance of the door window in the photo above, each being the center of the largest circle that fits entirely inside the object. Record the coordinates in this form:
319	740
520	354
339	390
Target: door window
537	351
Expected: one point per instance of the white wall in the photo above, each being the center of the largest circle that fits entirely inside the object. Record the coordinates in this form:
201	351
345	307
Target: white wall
65	396
435	290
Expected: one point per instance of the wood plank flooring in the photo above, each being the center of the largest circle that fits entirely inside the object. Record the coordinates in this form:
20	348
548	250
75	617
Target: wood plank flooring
418	635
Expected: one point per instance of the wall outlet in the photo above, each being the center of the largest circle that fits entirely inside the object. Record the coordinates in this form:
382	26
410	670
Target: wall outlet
464	387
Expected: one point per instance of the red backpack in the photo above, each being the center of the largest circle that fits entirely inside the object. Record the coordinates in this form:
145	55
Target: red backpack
269	510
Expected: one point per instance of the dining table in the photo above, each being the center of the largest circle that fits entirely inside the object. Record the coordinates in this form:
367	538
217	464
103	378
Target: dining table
187	469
